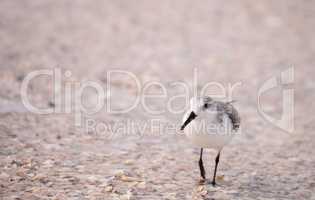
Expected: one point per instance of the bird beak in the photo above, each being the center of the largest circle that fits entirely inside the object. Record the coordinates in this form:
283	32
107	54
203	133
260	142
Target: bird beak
188	120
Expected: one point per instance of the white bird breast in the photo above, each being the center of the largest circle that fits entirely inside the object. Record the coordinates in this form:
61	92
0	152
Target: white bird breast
207	131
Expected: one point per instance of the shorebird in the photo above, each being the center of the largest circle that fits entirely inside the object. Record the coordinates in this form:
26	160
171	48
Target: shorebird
210	124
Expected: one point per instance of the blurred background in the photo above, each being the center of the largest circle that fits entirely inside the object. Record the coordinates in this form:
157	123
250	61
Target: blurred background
47	157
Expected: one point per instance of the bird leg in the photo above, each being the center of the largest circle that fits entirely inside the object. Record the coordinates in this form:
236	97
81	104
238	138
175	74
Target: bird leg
215	169
202	169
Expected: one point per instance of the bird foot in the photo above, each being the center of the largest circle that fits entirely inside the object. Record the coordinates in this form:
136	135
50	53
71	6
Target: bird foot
213	183
202	181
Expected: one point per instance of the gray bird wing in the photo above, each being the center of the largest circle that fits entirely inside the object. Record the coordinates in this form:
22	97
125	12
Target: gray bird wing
231	112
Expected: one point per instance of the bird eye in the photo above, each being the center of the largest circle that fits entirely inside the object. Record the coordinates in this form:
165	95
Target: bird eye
206	105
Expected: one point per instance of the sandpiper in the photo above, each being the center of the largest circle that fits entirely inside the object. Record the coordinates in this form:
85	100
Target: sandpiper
210	124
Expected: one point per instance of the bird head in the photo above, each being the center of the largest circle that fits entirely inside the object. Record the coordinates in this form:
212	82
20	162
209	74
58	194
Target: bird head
197	104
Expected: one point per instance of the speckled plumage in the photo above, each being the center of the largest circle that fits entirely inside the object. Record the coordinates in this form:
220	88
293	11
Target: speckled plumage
230	110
